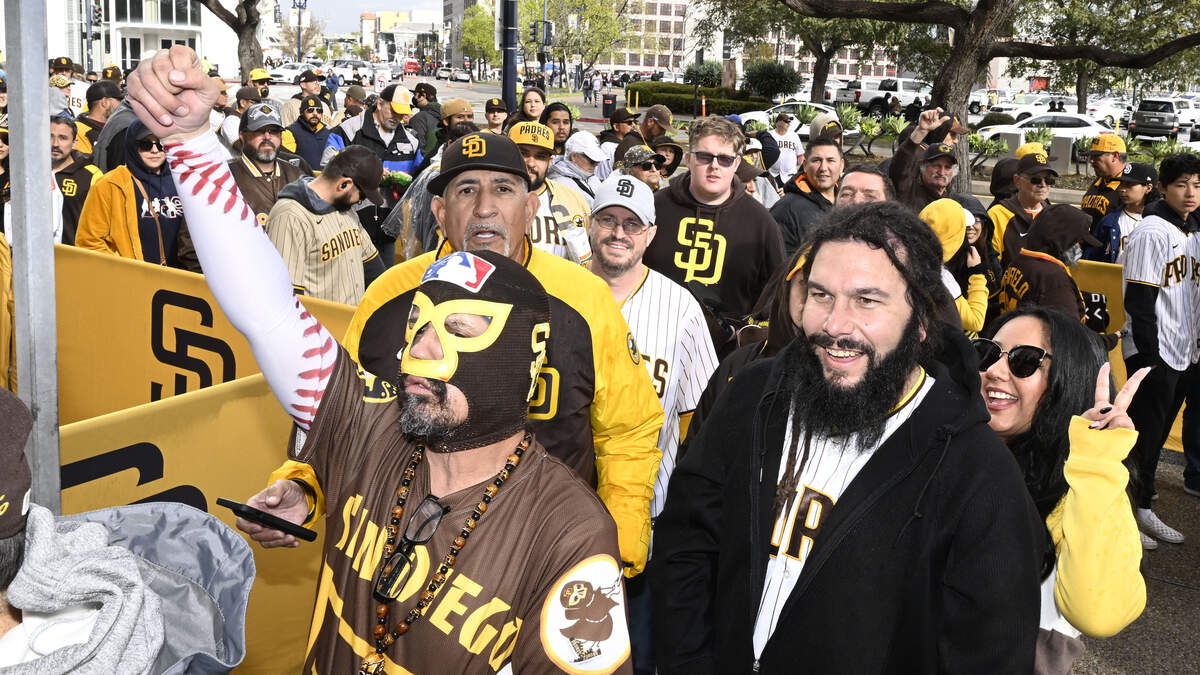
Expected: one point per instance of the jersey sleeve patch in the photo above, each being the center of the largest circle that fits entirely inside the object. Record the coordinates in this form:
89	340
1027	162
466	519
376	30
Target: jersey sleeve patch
631	345
376	389
583	618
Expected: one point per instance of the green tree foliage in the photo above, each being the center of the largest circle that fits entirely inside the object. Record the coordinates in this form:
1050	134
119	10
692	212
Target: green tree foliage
588	28
771	78
311	37
707	75
479	35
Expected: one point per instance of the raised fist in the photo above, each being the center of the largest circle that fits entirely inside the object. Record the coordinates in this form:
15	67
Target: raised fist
172	95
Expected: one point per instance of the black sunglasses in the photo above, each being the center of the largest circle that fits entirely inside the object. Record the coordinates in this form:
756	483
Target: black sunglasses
146	145
706	158
1039	180
650	166
316	110
420	529
1023	360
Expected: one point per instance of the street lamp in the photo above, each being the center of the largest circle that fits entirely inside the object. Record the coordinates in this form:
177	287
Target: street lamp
300	6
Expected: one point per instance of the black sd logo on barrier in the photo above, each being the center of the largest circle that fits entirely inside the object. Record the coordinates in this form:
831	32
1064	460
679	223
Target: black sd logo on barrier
186	343
146	459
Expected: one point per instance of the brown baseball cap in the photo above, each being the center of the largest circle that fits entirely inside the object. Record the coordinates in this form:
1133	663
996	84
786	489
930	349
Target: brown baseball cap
488	152
311	101
623	115
1036	162
356	92
455	106
495	105
661	114
361	166
61	63
112	73
248	93
15	478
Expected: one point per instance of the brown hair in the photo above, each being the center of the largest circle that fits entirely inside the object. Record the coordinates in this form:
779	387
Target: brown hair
716	126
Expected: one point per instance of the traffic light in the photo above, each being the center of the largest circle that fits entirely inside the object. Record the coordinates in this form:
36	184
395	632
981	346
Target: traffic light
533	31
98	13
548	33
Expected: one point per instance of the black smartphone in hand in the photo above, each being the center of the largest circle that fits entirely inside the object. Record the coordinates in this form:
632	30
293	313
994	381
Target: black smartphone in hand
263	518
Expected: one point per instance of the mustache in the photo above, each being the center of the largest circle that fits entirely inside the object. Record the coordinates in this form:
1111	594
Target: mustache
615	239
437	387
826	341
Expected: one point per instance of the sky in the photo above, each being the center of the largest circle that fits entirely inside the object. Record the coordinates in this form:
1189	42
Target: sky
341	16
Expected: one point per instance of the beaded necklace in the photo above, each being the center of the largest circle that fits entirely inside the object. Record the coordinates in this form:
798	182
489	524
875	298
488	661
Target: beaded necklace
373	663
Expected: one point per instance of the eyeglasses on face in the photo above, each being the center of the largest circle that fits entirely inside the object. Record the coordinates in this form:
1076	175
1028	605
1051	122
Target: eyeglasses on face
1039	180
1023	360
631	227
706	158
650	166
308	110
148	144
422	524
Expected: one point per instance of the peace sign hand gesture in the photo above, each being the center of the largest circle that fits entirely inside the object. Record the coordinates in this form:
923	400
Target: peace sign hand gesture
1105	415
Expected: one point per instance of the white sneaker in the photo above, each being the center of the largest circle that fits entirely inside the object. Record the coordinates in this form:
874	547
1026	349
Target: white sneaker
1151	525
1148	543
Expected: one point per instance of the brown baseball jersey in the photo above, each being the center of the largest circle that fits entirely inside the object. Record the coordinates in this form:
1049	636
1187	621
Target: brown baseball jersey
536	589
261	190
323	252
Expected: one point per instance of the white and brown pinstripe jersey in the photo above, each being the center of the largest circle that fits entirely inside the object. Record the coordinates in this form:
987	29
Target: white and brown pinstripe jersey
324	253
674	344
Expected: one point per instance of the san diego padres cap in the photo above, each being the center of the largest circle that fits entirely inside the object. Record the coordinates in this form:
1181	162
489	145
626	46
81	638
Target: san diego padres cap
61	63
624	190
259	74
1108	143
488	152
15	479
532	133
260	115
495	105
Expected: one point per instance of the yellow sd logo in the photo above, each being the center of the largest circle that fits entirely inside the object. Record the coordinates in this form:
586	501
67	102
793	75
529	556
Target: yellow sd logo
69	188
705	258
474	146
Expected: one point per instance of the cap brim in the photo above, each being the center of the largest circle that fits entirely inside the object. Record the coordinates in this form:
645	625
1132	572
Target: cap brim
372	194
439	182
401	108
623	203
595	154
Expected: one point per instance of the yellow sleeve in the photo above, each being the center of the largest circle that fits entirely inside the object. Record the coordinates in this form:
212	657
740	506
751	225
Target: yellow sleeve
1000	217
972	307
83	143
626	419
301	471
289	140
1100	589
95	219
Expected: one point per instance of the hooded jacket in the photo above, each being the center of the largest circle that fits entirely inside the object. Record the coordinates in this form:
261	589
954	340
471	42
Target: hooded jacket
732	247
801	207
140	584
75	181
947	219
112	221
1010	223
87	131
8	362
403	153
929	562
424	126
308	143
108	150
563	170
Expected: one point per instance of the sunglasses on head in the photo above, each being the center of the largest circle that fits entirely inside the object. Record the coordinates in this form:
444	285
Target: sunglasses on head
1023	360
1038	180
706	158
148	144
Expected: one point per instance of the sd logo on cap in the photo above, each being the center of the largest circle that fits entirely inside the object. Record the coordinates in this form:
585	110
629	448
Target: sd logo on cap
474	151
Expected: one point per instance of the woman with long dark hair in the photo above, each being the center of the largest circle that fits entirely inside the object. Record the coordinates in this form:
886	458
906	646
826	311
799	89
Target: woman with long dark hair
1037	370
533	101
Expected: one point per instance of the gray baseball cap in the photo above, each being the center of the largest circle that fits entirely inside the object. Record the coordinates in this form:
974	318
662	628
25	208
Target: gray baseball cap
261	115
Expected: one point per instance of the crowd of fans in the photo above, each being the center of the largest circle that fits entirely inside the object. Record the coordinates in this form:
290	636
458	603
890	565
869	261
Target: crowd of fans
794	316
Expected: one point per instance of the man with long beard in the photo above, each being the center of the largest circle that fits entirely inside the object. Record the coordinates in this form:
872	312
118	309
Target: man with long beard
259	173
314	229
845	504
441	473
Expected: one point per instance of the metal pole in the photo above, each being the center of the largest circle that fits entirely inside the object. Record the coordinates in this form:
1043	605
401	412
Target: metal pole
87	39
33	250
508	85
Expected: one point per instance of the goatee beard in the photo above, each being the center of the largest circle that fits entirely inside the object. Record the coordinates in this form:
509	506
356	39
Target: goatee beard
425	417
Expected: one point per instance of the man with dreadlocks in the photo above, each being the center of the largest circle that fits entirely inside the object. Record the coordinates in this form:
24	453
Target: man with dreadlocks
845	505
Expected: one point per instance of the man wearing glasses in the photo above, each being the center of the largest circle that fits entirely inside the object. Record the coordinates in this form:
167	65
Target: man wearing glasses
621	123
455	543
707	215
259	172
1012	218
672	337
642	163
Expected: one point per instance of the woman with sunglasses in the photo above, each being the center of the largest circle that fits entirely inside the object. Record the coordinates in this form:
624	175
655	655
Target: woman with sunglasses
1045	380
134	210
1014	216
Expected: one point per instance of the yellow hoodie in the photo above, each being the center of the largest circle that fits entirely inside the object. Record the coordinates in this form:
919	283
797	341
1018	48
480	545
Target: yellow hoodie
948	220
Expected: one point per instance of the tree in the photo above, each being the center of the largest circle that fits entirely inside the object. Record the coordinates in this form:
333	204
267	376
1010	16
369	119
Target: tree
311	37
478	36
748	23
589	28
244	22
979	28
770	79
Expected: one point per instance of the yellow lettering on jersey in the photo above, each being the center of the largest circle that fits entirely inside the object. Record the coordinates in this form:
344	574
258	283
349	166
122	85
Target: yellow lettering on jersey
450	604
1013	287
1097	202
475	633
340	243
802	529
500	652
69	187
366	559
348	511
544	404
705	260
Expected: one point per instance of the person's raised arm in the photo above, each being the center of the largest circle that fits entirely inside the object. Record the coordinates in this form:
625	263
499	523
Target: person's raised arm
171	94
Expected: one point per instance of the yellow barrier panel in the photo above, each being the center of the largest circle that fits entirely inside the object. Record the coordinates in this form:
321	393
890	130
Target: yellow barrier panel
1105	278
221	441
130	333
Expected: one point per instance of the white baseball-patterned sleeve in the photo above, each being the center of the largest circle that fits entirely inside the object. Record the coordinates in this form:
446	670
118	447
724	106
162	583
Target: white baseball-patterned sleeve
697	360
248	278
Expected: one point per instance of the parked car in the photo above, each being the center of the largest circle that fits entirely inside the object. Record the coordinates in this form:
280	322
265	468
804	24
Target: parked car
345	69
460	76
1111	111
1073	125
849	138
1026	106
289	73
982	99
876	98
803	94
443	74
1165	117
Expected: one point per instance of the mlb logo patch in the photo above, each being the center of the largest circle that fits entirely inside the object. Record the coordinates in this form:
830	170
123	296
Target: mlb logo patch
461	269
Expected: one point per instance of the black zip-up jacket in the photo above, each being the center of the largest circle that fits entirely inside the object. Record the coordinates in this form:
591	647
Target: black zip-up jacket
929	562
800	209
